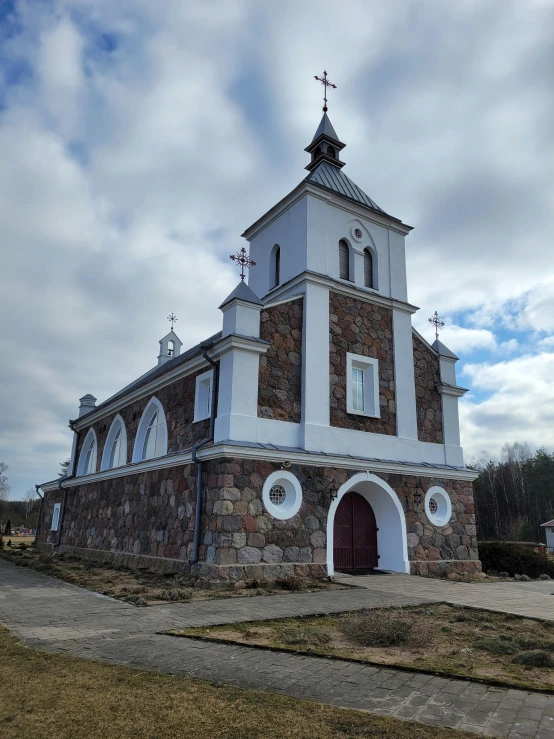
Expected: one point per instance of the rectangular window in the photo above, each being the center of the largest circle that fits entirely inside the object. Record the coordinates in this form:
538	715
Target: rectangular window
362	385
357	389
203	396
56	516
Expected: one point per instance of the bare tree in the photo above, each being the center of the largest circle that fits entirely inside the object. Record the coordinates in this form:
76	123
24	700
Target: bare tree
4	487
64	466
30	501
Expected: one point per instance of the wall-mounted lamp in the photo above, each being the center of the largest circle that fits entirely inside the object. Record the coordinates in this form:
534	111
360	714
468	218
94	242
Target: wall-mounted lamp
417	498
334	494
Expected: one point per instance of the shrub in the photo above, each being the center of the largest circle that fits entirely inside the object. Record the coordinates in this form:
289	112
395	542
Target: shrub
305	637
385	628
497	645
23	545
534	659
293	583
136	600
509	557
176	594
530	643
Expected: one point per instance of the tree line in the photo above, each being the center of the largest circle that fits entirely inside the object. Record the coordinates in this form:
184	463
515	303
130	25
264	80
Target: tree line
514	494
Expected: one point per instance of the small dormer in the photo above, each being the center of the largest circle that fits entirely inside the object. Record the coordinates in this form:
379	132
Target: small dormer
170	347
325	146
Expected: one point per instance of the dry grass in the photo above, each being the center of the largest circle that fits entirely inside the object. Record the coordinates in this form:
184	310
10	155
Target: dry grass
438	639
48	695
148	588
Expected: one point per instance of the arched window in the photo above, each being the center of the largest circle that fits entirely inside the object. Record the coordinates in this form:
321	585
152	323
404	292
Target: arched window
170	348
368	268
115	448
87	458
331	152
151	438
344	260
317	152
275	277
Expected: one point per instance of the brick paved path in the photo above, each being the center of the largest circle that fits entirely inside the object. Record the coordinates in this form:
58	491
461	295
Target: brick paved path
60	617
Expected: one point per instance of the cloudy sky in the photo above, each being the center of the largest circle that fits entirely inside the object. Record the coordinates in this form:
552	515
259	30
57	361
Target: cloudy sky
138	139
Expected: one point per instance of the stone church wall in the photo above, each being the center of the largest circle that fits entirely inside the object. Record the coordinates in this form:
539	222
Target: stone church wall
428	399
177	400
361	328
147	520
280	377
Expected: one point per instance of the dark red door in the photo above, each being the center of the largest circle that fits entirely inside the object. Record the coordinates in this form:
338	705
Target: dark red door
355	534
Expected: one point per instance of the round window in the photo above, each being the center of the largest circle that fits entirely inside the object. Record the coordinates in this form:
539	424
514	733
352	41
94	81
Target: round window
438	506
282	494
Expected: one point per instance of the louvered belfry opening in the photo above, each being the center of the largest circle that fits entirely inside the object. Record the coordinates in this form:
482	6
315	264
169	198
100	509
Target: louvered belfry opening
344	260
277	266
368	268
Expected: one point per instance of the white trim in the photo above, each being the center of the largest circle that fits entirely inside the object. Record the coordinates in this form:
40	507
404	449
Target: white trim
456	392
143	428
106	454
167	378
392	540
443	515
91	434
56	517
293	499
235	341
370	370
270	455
199	414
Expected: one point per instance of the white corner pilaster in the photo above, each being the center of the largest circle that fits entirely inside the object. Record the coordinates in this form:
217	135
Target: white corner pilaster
315	365
404	379
450	393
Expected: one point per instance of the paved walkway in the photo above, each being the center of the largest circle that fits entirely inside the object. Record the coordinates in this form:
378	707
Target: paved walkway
60	617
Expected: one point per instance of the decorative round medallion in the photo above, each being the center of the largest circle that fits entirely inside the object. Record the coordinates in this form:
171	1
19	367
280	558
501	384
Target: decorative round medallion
282	494
438	506
358	233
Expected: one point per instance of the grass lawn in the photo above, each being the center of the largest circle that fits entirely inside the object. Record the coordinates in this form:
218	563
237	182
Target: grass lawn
65	697
142	587
439	638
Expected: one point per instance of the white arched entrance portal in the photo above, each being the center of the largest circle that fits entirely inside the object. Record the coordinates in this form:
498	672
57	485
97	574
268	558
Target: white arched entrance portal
392	542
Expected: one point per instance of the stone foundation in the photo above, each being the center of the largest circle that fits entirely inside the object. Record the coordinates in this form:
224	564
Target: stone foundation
147	520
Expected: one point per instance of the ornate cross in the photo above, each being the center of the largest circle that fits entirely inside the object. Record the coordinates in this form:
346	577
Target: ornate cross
325	82
242	258
172	318
437	323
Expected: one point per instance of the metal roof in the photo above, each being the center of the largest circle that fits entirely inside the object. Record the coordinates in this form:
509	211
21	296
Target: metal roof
242	292
325	128
332	178
548	523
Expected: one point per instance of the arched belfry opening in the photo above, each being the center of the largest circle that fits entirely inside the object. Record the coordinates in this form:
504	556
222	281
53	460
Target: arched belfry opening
275	266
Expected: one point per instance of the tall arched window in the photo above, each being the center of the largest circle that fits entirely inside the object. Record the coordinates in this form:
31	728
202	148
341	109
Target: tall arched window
275	277
368	268
151	438
331	152
344	260
115	448
87	458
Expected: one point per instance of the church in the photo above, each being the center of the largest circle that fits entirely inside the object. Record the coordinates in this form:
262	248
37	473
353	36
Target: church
316	432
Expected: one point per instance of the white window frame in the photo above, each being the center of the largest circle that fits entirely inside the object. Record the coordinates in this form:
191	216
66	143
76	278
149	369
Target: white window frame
444	512
91	436
56	517
106	454
203	405
370	368
138	448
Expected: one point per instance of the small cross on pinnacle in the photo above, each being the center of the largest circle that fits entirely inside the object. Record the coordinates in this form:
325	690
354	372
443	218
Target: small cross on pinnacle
242	258
172	318
325	82
437	323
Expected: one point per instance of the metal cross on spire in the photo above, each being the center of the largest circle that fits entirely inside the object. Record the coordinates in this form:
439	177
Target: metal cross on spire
325	82
437	323
172	318
242	258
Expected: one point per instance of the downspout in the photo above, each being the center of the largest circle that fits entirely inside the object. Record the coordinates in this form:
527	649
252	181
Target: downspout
37	488
198	462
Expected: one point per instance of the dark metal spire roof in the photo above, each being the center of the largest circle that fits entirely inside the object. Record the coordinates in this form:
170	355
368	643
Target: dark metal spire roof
325	128
332	178
244	293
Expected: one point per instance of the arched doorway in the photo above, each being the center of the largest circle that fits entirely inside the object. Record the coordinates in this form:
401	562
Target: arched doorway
355	535
391	530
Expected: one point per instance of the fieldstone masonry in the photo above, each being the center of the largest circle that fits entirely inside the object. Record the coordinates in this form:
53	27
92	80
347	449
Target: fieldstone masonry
280	377
428	399
361	328
148	519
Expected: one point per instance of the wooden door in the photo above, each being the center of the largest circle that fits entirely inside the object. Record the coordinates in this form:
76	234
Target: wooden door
355	534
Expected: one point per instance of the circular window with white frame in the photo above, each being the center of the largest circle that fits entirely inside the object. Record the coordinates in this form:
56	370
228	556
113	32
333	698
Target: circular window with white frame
438	506
282	495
